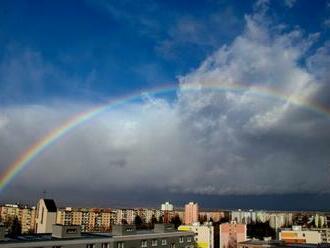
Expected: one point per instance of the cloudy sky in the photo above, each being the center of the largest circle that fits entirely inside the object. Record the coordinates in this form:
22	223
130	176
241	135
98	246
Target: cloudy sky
247	124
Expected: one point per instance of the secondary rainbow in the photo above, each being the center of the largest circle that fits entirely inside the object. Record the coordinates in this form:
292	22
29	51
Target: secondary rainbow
35	149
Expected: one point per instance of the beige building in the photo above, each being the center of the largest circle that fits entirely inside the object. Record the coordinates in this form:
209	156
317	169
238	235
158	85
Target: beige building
25	215
298	235
45	216
9	212
276	244
203	234
325	234
27	219
90	220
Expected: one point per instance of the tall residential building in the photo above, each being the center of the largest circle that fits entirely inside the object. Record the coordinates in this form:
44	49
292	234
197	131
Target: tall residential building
166	206
204	234
45	216
25	215
191	213
231	234
8	212
27	219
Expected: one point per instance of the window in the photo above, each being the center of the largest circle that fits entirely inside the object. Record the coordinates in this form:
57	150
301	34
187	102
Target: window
90	246
120	245
188	239
105	245
42	215
57	246
173	245
71	230
154	242
181	240
164	242
144	243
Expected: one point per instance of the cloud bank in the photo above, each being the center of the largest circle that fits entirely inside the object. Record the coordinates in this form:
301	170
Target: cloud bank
204	142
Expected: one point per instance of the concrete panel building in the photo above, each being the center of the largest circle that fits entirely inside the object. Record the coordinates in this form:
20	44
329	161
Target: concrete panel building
298	235
167	206
231	234
204	234
124	236
277	244
191	213
325	234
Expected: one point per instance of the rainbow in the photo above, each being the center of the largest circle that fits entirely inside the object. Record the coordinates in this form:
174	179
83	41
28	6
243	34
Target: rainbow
74	122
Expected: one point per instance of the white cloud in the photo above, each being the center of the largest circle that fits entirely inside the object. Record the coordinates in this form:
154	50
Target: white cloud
290	3
243	141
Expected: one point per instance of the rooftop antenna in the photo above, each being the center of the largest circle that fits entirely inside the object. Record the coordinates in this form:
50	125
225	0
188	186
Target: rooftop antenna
44	193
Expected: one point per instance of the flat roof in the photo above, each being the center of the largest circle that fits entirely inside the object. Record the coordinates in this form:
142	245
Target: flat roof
94	235
281	243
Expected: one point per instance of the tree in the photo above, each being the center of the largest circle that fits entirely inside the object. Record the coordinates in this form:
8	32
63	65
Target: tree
202	218
138	221
176	221
260	230
15	228
153	221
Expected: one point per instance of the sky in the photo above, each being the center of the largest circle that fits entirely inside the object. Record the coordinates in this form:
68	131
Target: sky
231	107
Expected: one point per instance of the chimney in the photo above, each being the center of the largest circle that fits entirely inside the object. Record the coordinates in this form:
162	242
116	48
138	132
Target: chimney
66	231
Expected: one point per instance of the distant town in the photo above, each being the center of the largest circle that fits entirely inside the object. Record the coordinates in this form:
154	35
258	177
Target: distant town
46	222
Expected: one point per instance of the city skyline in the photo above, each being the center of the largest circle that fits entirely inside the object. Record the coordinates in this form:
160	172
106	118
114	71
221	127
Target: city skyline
224	103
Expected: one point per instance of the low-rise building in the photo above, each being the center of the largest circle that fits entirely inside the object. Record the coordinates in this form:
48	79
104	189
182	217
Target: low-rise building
325	234
277	244
299	235
203	234
123	236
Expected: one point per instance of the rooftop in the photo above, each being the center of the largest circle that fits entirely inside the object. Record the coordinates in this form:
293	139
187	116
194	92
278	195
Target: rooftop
50	205
87	235
279	244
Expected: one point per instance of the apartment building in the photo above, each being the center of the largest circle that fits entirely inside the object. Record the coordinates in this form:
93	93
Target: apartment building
299	235
25	215
27	219
277	244
231	234
123	236
204	234
325	234
191	213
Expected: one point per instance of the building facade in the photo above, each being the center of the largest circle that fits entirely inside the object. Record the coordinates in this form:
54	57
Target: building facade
191	213
45	216
204	234
299	235
123	236
231	234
